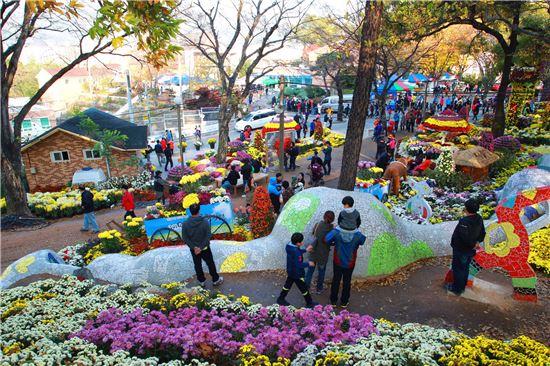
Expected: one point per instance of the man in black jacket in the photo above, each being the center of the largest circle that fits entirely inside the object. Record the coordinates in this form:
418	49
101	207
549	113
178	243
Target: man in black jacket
168	154
293	153
246	172
159	152
87	198
232	178
469	232
196	234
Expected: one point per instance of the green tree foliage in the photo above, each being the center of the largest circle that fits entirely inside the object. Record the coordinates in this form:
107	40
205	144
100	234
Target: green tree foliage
336	65
105	139
25	83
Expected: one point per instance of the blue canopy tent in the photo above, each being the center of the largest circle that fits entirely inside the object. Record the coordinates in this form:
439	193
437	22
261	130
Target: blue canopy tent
417	78
397	87
183	79
447	77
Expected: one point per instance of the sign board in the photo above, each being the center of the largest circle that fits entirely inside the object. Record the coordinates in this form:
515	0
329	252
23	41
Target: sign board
419	206
376	190
173	223
222	209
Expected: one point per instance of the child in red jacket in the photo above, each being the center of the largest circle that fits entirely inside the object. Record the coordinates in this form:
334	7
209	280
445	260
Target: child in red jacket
128	202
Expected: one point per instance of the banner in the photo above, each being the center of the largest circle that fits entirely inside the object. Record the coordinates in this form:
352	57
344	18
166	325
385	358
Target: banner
222	209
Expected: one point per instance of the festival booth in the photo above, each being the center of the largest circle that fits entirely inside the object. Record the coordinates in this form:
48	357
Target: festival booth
417	78
399	86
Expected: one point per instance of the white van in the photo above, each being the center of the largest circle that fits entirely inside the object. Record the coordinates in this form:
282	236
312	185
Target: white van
256	119
88	175
332	102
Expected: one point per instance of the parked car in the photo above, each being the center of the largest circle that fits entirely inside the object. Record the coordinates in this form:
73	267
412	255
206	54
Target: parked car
88	175
256	119
332	102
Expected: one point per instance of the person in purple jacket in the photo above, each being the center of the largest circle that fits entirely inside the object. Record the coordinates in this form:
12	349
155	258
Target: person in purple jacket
346	244
295	269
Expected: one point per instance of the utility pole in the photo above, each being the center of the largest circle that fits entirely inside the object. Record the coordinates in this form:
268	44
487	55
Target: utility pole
148	107
425	100
281	123
178	110
129	96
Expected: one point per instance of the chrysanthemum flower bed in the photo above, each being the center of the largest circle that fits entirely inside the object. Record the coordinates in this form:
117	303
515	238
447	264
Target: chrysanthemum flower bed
66	321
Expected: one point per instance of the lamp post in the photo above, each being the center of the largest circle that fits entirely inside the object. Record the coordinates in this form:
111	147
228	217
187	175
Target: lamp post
281	111
178	109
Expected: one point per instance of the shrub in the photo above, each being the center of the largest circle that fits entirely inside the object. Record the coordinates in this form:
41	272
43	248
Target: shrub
456	181
370	173
110	241
486	141
539	255
176	198
318	134
483	351
261	213
134	227
507	159
193	332
178	171
235	145
445	164
259	142
488	119
507	143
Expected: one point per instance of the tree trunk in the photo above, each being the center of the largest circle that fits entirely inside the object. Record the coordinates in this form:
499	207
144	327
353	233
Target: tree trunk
545	92
12	187
340	91
223	129
499	123
382	110
361	96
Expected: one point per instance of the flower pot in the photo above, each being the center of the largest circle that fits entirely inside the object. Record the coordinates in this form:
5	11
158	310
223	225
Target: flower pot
212	146
197	147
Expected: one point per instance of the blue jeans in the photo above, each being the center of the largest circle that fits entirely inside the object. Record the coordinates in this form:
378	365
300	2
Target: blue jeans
226	185
89	219
461	268
321	269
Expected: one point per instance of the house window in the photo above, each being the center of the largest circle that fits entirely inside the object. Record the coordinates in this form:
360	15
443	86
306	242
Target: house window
45	122
59	156
90	154
27	125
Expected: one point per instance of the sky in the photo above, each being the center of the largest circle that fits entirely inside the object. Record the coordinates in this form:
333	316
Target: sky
54	46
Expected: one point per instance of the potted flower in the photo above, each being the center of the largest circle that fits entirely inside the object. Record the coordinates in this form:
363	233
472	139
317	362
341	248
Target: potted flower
183	146
212	142
198	145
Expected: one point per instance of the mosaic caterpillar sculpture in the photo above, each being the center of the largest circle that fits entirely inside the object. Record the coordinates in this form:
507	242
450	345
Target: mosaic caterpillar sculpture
391	243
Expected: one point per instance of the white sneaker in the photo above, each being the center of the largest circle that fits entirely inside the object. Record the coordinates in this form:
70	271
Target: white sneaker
218	282
202	284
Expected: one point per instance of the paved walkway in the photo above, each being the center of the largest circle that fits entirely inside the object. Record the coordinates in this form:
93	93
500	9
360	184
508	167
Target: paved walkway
418	297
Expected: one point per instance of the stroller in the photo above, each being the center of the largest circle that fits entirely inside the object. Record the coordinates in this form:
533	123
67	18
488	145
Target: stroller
316	175
297	186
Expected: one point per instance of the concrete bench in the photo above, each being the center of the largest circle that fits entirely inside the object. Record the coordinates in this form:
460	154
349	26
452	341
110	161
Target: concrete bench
258	177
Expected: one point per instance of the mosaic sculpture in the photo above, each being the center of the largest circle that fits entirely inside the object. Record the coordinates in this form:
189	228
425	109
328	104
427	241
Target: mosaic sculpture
506	243
391	243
